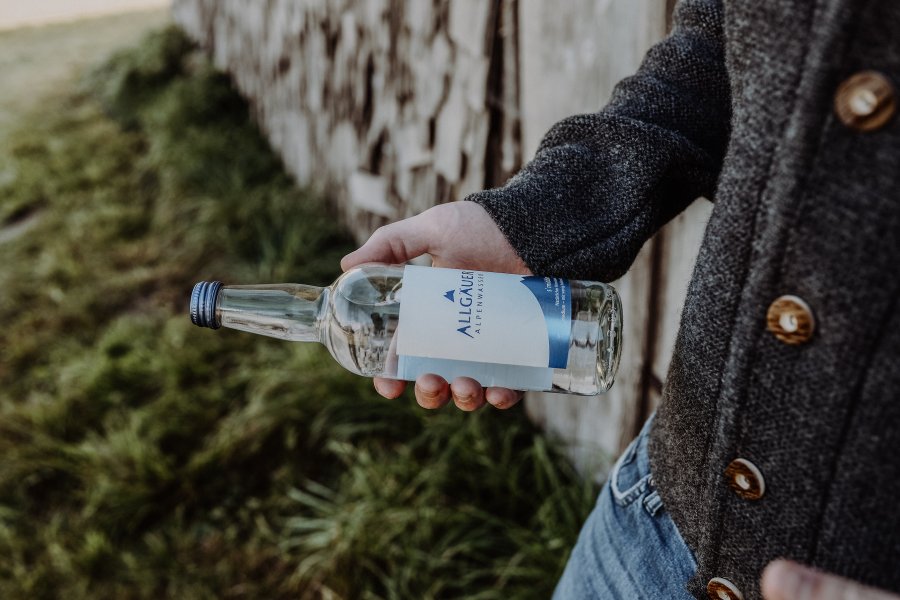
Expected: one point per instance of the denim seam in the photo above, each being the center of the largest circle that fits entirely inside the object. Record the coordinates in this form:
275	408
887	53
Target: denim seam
631	494
629	456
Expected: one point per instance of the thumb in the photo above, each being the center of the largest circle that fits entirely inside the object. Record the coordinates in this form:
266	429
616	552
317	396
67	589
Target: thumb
395	243
784	580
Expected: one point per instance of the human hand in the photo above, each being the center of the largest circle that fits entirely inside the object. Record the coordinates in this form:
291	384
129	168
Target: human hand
785	580
459	235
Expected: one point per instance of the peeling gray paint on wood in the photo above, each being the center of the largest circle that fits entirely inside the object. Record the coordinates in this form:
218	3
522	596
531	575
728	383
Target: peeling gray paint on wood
397	105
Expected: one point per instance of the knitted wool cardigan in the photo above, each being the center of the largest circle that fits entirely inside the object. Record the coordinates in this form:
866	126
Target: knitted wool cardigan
737	105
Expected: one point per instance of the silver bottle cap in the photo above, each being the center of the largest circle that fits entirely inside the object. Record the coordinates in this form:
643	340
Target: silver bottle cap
203	304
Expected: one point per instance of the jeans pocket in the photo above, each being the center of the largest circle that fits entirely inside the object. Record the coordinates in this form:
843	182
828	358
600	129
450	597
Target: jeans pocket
627	481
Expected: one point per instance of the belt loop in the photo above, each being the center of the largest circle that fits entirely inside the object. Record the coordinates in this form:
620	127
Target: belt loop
652	503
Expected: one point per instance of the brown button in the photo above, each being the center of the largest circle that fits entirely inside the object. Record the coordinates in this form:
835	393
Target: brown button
791	320
865	101
720	588
745	479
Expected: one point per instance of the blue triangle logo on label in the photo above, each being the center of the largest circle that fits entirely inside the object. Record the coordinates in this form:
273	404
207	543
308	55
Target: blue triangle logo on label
449	295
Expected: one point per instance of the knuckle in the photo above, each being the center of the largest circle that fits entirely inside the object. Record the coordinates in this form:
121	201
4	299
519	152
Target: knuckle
398	246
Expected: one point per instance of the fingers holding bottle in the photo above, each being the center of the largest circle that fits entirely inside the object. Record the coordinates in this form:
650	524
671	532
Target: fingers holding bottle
458	235
395	243
467	394
431	391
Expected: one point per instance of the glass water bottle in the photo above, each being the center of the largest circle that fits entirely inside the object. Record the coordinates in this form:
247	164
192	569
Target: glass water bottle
520	332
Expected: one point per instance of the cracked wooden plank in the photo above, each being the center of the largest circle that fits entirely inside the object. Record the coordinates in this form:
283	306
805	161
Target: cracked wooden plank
394	89
572	61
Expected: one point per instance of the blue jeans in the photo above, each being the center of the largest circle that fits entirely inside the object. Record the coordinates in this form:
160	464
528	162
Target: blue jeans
629	546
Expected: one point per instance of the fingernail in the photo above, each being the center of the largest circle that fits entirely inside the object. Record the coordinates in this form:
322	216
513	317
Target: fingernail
428	394
503	404
379	388
463	399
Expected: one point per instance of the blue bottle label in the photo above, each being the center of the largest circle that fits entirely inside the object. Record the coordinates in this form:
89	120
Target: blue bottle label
472	322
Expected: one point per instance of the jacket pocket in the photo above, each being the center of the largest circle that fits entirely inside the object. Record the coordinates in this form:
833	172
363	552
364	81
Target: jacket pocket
627	480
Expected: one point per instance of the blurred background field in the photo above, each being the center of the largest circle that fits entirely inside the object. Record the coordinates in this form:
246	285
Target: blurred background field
39	61
145	458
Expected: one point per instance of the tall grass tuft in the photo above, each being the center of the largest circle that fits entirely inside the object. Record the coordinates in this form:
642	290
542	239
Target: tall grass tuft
145	458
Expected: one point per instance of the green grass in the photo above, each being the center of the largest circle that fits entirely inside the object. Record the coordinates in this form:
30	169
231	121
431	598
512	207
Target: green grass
146	458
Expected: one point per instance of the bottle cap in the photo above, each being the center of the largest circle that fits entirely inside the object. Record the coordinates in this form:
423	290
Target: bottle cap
203	304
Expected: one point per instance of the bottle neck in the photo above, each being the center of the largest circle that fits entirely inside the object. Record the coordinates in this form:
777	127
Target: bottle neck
286	311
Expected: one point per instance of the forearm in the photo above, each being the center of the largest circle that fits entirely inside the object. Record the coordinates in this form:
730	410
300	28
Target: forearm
601	184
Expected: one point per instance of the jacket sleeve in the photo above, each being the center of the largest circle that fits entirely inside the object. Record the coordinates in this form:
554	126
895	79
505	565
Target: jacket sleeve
601	184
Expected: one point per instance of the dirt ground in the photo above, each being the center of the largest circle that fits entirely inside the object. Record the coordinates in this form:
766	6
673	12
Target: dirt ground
39	61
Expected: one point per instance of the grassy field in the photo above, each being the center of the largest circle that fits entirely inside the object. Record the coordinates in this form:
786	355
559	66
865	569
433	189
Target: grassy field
146	458
35	62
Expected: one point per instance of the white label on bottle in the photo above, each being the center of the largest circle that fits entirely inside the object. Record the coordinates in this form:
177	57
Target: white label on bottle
479	317
487	374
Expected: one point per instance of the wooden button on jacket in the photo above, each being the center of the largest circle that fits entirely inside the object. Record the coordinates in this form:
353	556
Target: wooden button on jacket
782	113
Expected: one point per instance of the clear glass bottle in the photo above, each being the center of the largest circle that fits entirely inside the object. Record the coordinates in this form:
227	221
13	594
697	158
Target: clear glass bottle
358	319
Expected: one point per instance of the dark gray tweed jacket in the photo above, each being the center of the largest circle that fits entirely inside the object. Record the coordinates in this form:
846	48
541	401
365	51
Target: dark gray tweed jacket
737	105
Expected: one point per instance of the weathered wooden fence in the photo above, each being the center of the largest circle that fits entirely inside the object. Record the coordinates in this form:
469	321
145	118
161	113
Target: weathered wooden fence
396	105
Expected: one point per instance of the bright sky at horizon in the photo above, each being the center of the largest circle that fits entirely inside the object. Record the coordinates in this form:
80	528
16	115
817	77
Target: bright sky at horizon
23	13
